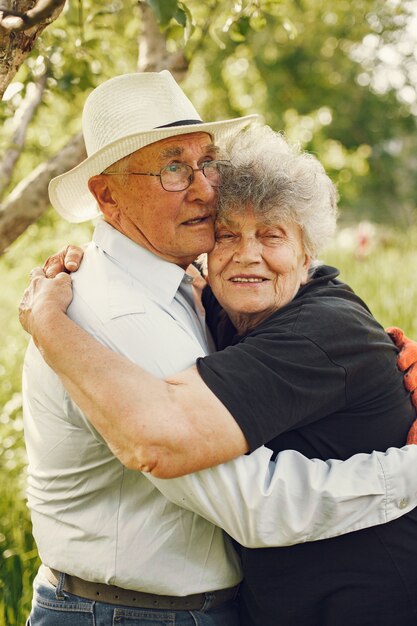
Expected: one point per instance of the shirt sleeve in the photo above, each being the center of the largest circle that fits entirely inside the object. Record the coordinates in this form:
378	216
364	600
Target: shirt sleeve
264	503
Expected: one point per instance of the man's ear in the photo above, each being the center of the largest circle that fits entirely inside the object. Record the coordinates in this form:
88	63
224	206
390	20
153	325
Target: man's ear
98	186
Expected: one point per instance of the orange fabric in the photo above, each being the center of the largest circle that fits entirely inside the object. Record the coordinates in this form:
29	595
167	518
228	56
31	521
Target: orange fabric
412	434
407	347
407	362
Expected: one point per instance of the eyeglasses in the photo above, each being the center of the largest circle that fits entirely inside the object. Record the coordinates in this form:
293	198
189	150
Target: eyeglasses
179	176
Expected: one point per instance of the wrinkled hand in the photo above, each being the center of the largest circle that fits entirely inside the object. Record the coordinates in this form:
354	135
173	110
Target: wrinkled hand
407	362
66	260
43	297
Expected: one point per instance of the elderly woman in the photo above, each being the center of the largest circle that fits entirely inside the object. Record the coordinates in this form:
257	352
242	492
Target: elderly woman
303	365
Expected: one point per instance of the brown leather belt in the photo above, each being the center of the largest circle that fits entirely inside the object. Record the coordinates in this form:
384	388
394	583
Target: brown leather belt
111	594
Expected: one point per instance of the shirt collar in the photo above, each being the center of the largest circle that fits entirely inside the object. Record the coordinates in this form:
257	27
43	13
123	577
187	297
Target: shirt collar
158	276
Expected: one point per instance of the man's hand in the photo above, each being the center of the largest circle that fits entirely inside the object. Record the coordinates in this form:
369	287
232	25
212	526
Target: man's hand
407	362
43	297
66	260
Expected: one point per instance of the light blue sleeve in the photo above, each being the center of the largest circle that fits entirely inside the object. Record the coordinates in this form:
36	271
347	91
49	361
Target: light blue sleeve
264	503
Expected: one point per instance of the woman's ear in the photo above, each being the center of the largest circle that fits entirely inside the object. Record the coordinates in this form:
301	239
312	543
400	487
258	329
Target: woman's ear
98	186
306	268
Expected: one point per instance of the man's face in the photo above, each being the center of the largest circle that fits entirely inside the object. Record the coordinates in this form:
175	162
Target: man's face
175	225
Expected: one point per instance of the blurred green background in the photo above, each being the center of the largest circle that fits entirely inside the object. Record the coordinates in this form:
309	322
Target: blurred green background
338	77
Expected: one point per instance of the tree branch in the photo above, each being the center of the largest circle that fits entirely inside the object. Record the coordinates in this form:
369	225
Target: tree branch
12	20
15	45
30	198
21	120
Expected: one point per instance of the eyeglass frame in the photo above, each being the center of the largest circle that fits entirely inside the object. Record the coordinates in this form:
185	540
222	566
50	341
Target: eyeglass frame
190	178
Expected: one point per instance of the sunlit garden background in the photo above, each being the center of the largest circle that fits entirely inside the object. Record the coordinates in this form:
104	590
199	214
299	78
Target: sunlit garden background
338	77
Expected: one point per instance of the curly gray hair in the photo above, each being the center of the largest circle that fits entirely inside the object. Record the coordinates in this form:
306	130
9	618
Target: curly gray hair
279	181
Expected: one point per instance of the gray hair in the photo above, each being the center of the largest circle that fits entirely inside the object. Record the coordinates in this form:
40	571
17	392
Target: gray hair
280	182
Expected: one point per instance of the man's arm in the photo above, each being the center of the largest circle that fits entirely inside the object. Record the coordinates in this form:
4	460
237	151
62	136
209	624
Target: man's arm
168	427
262	503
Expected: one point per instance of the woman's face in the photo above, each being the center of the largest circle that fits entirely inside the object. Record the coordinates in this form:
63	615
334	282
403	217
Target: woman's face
256	267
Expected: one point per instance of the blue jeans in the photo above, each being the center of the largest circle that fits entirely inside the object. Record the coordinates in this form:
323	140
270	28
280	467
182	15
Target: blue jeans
50	608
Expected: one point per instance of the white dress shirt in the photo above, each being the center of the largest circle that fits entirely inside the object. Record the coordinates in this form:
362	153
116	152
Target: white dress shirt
92	517
97	520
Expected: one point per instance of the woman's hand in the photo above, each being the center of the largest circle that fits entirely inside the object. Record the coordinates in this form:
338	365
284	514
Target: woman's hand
407	362
43	298
66	260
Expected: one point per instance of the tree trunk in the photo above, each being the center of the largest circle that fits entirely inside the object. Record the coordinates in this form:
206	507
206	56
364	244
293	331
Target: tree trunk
153	54
30	199
21	120
16	44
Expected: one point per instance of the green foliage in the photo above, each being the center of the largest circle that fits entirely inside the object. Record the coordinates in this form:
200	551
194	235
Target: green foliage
18	555
337	78
166	10
308	69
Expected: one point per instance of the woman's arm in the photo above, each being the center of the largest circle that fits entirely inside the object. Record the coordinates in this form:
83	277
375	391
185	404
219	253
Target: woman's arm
167	427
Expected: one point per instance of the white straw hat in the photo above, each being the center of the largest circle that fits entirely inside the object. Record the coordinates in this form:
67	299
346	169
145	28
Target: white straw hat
121	116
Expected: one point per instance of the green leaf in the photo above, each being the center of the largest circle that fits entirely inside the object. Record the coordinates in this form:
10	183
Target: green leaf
190	25
243	24
164	10
181	17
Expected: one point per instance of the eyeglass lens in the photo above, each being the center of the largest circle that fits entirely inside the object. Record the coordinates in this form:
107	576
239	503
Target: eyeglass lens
179	176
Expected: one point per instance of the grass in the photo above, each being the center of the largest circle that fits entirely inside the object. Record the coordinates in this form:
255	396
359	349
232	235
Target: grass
18	554
384	277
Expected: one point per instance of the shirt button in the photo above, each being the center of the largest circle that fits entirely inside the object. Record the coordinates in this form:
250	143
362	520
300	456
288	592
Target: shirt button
403	503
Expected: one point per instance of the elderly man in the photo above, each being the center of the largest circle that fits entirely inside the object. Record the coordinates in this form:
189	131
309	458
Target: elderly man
114	549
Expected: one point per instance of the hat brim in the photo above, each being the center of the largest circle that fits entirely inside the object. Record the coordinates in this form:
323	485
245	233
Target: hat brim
69	193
